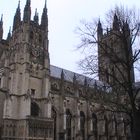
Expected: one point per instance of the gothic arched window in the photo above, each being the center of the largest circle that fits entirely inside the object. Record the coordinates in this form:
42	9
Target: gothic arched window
34	109
54	116
82	123
94	123
68	124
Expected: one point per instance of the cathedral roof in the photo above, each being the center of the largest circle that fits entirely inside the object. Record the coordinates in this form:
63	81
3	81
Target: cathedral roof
68	76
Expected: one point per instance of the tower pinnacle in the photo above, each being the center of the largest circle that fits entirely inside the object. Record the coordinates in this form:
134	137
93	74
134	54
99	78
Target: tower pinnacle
45	4
9	34
116	22
36	17
99	29
44	18
17	17
1	27
27	12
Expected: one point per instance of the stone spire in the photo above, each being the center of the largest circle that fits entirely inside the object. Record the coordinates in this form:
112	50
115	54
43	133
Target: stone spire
115	22
36	17
44	18
1	27
9	34
27	12
17	17
99	28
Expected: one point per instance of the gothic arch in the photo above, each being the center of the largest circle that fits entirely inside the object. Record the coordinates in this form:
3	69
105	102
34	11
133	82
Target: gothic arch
35	110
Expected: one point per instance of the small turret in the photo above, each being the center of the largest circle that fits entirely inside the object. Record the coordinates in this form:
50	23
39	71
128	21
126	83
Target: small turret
44	18
36	17
1	28
17	18
27	12
115	22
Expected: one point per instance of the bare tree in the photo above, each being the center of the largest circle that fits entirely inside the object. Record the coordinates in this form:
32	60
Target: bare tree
112	56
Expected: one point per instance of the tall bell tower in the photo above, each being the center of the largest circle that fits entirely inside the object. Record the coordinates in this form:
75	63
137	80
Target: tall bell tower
27	108
114	50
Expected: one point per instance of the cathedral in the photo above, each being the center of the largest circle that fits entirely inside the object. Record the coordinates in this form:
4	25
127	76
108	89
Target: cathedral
39	101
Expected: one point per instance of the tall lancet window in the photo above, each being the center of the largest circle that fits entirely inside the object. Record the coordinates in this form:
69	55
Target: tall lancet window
82	123
68	124
94	124
54	116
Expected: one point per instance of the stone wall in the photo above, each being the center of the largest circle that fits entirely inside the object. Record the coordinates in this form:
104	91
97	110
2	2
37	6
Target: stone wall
2	98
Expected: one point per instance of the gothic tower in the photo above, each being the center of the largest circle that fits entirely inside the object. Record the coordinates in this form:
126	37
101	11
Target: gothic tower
114	48
27	79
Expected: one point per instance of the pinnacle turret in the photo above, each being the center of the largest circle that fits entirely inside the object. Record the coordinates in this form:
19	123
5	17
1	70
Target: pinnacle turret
17	17
44	19
1	27
36	17
27	12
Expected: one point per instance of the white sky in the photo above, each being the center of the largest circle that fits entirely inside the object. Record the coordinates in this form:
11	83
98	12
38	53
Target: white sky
64	16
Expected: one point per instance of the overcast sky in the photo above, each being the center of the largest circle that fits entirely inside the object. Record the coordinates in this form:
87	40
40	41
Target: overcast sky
64	16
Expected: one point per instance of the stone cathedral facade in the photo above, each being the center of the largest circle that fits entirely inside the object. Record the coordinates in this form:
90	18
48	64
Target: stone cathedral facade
39	101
